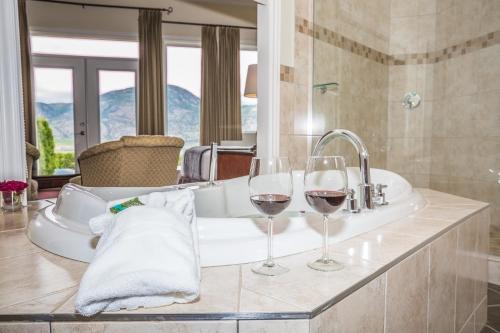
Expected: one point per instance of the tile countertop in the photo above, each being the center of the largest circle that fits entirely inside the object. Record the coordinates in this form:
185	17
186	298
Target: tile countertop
36	285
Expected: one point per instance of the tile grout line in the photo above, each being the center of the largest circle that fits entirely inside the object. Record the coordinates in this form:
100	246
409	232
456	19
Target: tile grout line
456	282
63	302
385	301
40	297
492	328
240	287
428	286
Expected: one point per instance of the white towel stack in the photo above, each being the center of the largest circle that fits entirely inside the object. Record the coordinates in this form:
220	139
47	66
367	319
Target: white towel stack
147	256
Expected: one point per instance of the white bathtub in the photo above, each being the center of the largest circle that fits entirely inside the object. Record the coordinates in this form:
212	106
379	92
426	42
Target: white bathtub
229	228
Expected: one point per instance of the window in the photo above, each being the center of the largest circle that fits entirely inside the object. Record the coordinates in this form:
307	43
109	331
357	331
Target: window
84	47
183	93
85	93
117	114
82	97
55	120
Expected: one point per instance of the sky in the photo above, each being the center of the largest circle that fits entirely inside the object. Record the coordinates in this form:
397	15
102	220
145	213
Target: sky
183	63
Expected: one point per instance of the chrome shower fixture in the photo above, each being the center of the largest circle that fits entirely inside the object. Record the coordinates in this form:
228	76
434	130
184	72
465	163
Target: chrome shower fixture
411	100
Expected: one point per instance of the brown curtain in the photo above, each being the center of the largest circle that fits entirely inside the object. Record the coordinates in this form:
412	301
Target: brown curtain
229	83
210	102
26	71
151	88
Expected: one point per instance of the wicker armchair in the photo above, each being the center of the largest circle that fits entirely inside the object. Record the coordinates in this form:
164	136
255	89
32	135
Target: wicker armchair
144	160
32	154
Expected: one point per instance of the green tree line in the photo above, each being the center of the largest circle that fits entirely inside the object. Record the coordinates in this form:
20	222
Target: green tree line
49	158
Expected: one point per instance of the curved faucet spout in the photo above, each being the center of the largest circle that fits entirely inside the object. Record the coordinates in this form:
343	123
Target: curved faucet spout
366	187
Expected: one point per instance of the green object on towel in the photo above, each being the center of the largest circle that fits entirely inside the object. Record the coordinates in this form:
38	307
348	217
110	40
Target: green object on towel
124	205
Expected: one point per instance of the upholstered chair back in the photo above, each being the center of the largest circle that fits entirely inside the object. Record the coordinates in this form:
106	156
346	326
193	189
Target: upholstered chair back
143	160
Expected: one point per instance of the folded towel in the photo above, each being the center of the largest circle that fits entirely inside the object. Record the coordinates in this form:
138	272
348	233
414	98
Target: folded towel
147	256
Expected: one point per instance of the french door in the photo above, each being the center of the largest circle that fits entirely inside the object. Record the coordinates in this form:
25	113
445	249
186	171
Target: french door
80	102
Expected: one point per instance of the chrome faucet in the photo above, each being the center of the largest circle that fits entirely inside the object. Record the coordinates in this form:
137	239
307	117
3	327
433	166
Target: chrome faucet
366	187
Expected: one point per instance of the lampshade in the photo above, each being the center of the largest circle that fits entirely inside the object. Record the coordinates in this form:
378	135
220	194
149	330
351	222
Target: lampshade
251	83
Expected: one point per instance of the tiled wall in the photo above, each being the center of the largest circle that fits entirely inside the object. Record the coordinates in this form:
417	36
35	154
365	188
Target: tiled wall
447	51
447	293
296	93
466	115
409	132
338	56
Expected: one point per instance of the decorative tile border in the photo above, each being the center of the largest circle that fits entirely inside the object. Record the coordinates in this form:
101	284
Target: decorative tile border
286	73
333	38
454	51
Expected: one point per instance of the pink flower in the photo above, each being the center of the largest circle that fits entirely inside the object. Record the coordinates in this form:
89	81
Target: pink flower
12	186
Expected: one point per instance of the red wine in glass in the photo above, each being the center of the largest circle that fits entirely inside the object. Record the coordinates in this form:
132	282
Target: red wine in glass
270	204
324	201
325	189
270	187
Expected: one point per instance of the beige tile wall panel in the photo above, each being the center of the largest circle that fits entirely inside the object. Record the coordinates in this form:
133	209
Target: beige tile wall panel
23	327
149	327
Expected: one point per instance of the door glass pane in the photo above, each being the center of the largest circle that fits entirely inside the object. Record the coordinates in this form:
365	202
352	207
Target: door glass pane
183	94
55	120
116	104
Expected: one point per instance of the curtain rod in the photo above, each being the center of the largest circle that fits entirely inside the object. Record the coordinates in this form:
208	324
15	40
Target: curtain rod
169	10
210	25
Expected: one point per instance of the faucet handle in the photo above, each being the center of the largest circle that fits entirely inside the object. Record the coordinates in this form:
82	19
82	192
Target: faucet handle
351	202
380	195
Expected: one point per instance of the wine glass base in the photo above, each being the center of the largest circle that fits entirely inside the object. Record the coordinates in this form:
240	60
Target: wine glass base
269	270
325	265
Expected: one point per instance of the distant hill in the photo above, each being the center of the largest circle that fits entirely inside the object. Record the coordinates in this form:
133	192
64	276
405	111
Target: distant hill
118	117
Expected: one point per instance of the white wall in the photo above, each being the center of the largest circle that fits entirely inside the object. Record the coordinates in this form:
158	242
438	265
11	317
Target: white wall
46	18
12	151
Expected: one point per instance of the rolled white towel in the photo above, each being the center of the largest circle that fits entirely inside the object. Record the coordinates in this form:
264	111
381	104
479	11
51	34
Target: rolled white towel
147	256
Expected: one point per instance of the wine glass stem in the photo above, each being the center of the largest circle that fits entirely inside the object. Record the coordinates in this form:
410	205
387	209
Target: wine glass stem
325	237
270	261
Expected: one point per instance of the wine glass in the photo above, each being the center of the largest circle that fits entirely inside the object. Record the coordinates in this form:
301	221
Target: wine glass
271	188
325	189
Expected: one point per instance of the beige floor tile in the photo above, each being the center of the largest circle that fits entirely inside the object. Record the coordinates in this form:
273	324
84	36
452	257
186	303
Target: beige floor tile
378	246
36	275
253	302
19	219
219	293
14	243
441	199
303	287
453	214
42	305
424	229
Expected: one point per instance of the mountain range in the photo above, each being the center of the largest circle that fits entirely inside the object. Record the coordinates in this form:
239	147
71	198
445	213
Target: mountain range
117	116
